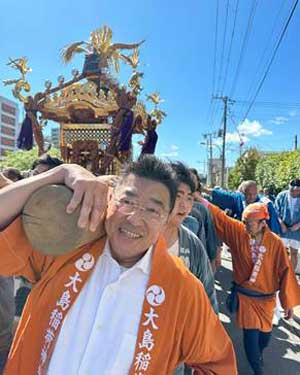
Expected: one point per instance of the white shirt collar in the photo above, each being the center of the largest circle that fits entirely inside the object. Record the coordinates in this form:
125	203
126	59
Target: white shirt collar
144	264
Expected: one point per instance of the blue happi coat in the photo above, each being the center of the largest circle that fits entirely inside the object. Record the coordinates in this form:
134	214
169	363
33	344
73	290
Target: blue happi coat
282	206
236	203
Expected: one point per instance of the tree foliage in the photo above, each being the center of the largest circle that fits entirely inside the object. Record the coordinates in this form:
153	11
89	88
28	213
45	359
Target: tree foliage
275	171
23	160
244	168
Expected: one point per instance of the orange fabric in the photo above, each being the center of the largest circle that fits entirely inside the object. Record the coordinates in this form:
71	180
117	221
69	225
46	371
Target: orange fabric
257	211
275	274
187	325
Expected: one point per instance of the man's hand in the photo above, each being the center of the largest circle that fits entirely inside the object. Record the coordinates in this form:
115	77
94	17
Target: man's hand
89	192
288	314
110	180
295	227
284	228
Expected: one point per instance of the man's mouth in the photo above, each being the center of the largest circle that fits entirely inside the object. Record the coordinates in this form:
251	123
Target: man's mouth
130	234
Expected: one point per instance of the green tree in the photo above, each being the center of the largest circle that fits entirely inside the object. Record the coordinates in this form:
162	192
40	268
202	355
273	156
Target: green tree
23	160
276	170
244	168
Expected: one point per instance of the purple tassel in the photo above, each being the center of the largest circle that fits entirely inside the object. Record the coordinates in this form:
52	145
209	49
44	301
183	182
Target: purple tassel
126	132
25	138
150	142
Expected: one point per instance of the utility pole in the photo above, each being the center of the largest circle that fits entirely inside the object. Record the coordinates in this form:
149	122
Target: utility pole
296	142
225	100
209	144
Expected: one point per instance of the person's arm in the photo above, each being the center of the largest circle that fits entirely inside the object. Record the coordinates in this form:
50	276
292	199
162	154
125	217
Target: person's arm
206	190
229	230
278	208
222	198
273	222
88	191
210	234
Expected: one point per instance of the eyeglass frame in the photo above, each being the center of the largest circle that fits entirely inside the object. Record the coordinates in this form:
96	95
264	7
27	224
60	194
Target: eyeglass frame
136	206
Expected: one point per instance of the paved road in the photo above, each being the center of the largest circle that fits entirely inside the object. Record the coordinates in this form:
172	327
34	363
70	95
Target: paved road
282	357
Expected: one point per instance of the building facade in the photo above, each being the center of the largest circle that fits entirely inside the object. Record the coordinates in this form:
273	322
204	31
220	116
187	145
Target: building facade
9	125
55	134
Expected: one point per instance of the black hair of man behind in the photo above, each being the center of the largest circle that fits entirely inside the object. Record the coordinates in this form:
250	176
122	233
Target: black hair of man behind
183	175
46	159
155	169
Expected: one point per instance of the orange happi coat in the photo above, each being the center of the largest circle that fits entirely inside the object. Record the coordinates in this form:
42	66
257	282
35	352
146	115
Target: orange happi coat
187	330
275	274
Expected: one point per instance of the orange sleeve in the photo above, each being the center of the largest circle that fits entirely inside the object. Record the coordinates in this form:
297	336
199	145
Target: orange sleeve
207	347
18	258
289	289
229	230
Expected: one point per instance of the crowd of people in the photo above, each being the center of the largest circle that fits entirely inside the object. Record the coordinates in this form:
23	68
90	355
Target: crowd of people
141	299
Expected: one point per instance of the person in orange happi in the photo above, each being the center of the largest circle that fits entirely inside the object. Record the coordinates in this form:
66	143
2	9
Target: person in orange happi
120	304
260	268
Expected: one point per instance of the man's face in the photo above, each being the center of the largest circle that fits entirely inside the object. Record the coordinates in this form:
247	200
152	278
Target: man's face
295	193
136	215
183	205
254	226
251	194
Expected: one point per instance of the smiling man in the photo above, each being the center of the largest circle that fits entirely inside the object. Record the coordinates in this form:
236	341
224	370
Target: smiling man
181	241
120	305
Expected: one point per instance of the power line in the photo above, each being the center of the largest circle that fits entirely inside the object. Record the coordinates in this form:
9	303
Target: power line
223	48
272	58
215	48
212	103
244	47
215	107
230	46
260	66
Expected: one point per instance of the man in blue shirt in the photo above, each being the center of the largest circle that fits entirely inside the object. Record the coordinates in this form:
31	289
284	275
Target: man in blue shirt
287	205
236	202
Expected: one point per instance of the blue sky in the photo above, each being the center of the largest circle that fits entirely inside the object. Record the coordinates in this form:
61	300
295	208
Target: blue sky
179	60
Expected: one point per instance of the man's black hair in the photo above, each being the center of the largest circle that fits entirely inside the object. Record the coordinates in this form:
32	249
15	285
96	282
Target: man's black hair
153	168
12	174
183	175
46	159
295	182
196	174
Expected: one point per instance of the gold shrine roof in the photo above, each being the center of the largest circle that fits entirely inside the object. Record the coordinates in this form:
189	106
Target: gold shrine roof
80	102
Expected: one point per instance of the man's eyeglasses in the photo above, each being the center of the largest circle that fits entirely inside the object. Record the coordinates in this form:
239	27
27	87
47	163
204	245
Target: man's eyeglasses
127	207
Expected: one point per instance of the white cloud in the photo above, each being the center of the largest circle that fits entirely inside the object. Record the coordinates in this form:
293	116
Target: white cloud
293	113
252	129
279	120
170	154
236	138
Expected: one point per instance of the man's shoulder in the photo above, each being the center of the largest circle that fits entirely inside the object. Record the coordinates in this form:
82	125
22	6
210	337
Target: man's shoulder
282	194
275	239
189	236
182	276
264	200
